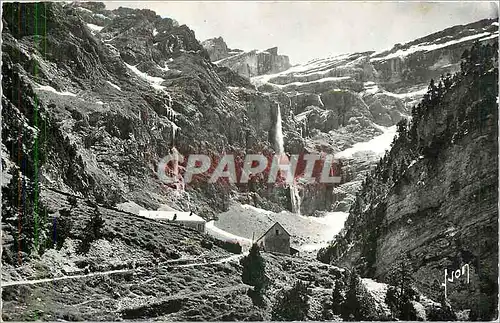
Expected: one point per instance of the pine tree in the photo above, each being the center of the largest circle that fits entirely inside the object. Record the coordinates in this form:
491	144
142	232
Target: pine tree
402	293
61	228
432	93
440	89
464	64
292	304
72	200
351	308
22	204
254	269
338	297
447	81
402	128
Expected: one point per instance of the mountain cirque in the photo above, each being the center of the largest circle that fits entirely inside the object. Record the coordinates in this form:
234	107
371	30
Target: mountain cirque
92	105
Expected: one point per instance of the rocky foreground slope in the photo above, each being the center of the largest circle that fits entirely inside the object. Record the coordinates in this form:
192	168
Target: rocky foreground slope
140	269
433	199
92	100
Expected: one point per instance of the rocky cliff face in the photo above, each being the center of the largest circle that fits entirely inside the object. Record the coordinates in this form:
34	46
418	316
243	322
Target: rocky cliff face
247	64
217	49
433	198
92	100
114	92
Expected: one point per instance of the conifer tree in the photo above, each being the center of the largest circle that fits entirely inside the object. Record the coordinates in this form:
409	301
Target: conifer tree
351	308
92	231
254	269
338	298
402	293
292	304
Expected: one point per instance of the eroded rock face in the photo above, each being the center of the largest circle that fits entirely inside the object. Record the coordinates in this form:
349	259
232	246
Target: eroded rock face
254	62
217	48
91	107
430	56
433	198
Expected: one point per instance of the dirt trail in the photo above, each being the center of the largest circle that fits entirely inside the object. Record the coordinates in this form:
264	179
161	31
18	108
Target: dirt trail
109	272
45	280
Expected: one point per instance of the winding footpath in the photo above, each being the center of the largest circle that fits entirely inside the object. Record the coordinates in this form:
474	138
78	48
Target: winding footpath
104	273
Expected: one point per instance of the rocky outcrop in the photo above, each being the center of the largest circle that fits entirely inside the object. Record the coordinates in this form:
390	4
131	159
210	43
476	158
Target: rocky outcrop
433	197
431	56
255	62
217	48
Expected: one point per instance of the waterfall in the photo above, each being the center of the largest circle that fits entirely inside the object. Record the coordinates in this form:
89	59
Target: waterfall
320	101
302	127
169	99
172	117
278	136
174	132
295	198
280	151
179	184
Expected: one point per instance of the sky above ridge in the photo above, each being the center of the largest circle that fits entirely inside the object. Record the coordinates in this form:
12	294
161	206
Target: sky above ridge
315	29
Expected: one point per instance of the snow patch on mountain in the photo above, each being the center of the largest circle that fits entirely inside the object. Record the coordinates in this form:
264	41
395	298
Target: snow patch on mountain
303	115
51	89
322	80
494	35
95	27
406	95
164	68
223	235
319	63
256	209
401	53
154	81
130	206
370	87
316	67
377	145
114	85
308	233
334	221
98	15
84	10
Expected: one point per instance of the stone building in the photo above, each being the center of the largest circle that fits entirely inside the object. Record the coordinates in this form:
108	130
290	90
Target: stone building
276	239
